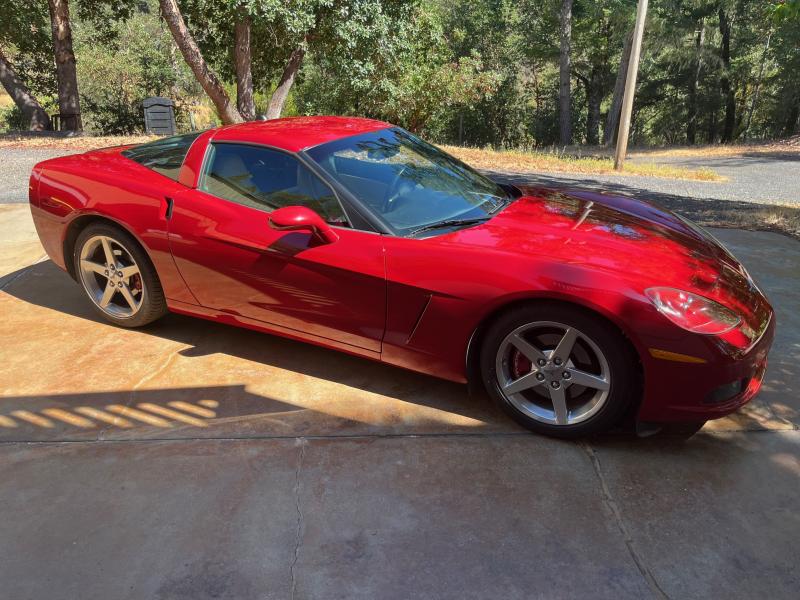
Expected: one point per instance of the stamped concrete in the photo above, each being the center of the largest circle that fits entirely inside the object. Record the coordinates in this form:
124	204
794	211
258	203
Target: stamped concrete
194	460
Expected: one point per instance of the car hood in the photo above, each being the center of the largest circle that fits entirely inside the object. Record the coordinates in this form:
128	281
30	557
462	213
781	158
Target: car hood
631	240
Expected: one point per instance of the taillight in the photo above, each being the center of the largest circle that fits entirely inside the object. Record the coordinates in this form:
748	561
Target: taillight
692	312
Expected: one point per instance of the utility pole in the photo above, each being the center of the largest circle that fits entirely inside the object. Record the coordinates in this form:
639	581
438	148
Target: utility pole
630	86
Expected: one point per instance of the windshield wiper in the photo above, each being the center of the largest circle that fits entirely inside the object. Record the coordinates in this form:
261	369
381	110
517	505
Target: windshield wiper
448	223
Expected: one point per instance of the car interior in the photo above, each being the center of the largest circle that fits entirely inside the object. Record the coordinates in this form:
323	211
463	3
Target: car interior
265	179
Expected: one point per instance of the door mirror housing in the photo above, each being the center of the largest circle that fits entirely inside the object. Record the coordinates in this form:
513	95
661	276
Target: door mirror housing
294	218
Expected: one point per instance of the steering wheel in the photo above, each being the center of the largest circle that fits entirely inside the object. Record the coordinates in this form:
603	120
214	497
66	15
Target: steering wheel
389	197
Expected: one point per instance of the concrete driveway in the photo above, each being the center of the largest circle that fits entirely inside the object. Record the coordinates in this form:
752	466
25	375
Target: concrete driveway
193	460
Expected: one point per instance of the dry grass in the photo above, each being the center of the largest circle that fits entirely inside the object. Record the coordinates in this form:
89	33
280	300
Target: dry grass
78	142
789	146
502	160
514	160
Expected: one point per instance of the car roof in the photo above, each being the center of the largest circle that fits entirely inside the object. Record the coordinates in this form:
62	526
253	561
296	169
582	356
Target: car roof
297	133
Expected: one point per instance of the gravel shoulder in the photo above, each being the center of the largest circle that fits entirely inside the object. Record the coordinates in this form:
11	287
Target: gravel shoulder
16	168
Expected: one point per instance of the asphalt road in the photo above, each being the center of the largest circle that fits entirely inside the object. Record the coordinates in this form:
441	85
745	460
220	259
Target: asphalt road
758	178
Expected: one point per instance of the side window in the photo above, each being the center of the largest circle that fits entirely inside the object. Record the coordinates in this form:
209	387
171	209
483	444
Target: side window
163	156
267	179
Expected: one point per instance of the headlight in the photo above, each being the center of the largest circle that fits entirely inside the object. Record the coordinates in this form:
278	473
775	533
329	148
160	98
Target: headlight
692	312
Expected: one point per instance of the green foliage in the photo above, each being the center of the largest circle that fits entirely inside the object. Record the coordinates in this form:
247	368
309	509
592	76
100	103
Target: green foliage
411	78
788	10
479	72
350	32
11	119
122	64
25	40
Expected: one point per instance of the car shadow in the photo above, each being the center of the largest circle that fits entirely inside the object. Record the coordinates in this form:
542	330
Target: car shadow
204	338
237	411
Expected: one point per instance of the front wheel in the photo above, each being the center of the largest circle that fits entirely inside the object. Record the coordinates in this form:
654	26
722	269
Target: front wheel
117	276
558	370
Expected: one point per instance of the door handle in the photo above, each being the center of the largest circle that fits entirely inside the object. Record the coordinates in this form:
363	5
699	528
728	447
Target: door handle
168	211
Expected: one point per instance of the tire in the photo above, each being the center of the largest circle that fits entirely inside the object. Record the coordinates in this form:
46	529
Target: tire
130	294
542	356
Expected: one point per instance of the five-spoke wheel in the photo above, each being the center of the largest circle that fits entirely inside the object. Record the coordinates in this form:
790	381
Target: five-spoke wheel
553	372
558	370
111	276
117	276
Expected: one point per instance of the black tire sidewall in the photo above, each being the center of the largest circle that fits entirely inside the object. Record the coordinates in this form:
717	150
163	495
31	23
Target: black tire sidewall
622	366
154	304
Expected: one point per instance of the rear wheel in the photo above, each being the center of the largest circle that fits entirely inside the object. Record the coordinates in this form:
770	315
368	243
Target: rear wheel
117	276
559	371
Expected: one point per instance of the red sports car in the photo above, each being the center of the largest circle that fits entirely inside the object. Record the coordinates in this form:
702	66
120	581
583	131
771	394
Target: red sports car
573	309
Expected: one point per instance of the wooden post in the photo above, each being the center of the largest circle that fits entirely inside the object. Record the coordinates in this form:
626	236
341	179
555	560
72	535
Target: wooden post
630	87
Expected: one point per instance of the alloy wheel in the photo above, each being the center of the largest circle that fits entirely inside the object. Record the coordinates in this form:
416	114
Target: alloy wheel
553	373
111	277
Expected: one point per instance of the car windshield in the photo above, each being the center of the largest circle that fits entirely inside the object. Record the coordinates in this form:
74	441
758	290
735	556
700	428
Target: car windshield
411	185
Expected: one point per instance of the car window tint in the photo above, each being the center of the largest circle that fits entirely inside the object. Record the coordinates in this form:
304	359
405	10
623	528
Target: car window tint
267	179
163	156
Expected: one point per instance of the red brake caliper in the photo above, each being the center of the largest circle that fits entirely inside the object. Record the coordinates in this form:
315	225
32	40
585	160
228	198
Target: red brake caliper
520	365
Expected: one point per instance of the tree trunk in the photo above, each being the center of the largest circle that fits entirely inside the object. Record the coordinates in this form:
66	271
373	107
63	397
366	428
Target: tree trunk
790	128
194	58
565	114
594	97
691	123
68	103
713	120
758	87
612	119
33	112
285	84
244	75
725	82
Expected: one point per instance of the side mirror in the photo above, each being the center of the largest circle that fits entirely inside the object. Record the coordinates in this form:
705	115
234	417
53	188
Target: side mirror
292	218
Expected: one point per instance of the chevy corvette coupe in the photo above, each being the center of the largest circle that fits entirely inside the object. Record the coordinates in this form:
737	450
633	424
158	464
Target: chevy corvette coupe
575	310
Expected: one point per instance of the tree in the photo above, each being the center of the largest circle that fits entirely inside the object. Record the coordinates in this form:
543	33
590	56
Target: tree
413	79
121	62
612	118
694	81
725	81
564	97
286	82
207	79
243	65
270	41
26	60
69	105
757	89
598	33
30	107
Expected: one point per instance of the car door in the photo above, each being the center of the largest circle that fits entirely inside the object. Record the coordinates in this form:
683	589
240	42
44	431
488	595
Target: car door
233	261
